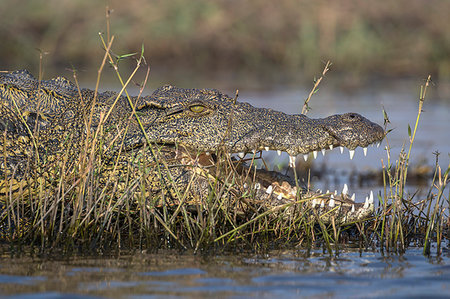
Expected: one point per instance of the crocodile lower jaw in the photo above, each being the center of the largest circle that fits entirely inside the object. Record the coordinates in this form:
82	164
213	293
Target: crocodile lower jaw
276	190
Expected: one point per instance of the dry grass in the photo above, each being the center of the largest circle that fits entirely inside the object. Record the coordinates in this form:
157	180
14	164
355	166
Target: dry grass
85	204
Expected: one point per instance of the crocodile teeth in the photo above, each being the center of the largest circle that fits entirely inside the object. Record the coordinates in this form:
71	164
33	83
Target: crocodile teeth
331	147
352	154
353	208
353	197
323	152
371	197
366	203
266	148
241	155
305	156
269	189
314	202
331	203
365	151
345	189
342	149
315	154
292	161
322	204
279	152
279	197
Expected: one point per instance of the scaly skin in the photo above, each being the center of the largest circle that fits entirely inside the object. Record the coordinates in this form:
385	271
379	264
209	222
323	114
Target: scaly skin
44	121
241	127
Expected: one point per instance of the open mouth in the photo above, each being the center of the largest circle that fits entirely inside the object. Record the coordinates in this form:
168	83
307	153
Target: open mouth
274	189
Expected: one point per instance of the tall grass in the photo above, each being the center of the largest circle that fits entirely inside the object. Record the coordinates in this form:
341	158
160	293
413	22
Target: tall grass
402	218
87	199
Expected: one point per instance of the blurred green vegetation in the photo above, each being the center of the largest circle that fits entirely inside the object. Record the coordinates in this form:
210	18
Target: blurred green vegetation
362	38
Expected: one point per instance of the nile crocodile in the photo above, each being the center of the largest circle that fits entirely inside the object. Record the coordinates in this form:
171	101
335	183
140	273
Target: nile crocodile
178	134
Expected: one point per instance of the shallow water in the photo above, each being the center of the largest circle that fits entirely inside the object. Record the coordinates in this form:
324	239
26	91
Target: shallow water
286	274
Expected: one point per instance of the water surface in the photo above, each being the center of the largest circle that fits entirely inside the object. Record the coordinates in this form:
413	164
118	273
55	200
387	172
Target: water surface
286	274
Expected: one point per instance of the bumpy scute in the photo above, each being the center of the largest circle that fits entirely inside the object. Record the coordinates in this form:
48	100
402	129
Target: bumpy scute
45	125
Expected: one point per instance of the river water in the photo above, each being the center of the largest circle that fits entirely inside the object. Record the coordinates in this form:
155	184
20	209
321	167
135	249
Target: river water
283	274
286	274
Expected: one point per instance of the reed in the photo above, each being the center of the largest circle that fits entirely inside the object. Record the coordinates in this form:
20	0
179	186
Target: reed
402	219
79	207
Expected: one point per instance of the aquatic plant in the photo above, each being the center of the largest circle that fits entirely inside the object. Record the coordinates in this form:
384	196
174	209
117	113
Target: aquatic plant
82	210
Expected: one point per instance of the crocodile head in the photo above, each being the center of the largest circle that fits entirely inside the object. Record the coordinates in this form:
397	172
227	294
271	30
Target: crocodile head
205	121
197	121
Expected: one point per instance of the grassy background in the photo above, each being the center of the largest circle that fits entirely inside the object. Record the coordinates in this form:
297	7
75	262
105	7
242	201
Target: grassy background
363	39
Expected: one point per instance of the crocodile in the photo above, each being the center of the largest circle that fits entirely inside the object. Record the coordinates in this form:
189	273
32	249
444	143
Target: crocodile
180	135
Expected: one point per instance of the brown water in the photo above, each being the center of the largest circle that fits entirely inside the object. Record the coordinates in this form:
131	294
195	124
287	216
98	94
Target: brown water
285	274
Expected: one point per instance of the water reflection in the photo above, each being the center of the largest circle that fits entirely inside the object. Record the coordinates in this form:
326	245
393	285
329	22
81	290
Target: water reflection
286	273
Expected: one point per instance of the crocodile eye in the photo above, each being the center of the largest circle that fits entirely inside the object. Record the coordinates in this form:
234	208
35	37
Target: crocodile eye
351	116
197	108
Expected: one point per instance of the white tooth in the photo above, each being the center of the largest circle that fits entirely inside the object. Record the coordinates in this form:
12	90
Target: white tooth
269	189
331	147
365	151
331	202
345	189
279	152
323	152
322	204
319	191
292	161
305	156
366	203
353	208
378	144
353	197
266	148
371	197
207	153
241	155
335	192
352	153
245	185
342	149
279	196
315	154
314	202
328	191
257	186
